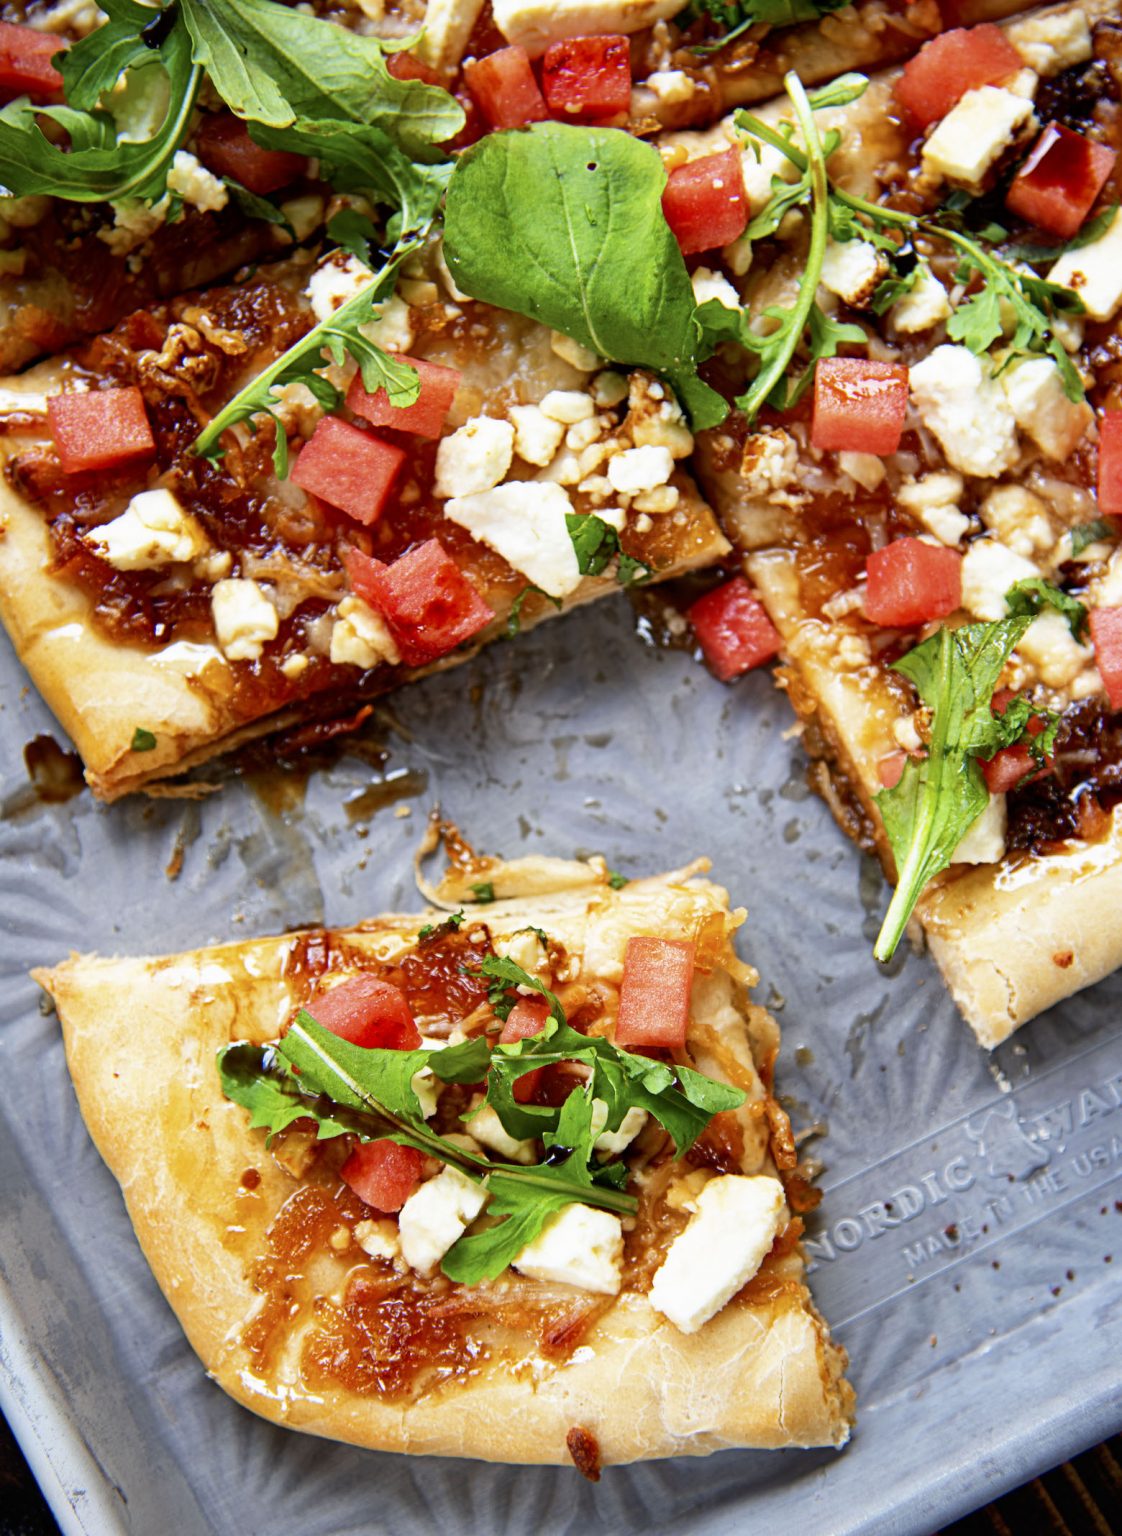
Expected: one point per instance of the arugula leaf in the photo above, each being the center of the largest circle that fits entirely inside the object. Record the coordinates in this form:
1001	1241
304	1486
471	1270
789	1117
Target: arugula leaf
522	1213
451	922
97	166
597	543
737	16
255	207
1085	534
504	973
940	796
1035	593
142	740
338	335
252	1077
276	65
565	224
96	62
681	1100
514	617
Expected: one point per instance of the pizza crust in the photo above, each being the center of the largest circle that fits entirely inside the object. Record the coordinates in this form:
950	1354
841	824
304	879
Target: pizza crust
141	1037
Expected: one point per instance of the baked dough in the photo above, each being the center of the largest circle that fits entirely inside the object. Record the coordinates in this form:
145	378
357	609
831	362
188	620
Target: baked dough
141	1037
101	688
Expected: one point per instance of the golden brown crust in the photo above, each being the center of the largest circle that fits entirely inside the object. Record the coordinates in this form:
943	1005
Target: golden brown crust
141	1038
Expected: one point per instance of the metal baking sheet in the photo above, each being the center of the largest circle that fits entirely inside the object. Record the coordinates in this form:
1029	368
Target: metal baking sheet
971	1215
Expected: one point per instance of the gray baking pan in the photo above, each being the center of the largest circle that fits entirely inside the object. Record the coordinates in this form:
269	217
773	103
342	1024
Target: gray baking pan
968	1249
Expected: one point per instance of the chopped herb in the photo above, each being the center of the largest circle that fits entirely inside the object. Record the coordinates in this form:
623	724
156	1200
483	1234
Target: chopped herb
514	617
597	543
1083	535
484	891
1034	594
143	740
616	880
450	924
738	16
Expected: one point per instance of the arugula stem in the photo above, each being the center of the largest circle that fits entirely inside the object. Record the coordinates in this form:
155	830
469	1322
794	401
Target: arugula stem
469	1163
776	369
909	879
254	399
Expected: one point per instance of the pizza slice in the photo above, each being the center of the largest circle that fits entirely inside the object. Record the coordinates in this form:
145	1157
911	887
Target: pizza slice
922	470
410	1185
180	168
169	606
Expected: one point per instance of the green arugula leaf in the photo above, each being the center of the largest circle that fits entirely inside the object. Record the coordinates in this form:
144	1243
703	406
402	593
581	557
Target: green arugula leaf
737	16
1035	593
1093	230
522	1211
503	974
338	335
681	1100
276	65
97	166
597	543
565	225
940	796
1083	535
142	740
514	617
252	1076
95	63
451	923
255	207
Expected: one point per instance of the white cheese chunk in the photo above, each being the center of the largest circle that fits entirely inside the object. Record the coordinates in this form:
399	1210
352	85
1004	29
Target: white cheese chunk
195	184
1052	41
334	282
708	284
568	406
489	1131
153	530
524	521
437	1215
611	1143
1018	518
573	352
960	401
671	85
984	842
1035	390
392	325
852	269
580	1246
1106	590
974	134
866	468
759	171
923	306
989	569
536	24
244	618
640	469
1051	648
475	457
537	436
1094	272
379	1239
738	1217
360	637
448	25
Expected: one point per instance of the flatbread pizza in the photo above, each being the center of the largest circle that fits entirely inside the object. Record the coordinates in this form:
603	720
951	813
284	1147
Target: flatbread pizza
996	471
569	1250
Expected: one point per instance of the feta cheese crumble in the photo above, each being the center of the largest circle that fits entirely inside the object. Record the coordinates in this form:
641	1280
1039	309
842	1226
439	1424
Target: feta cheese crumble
1094	272
524	522
436	1216
960	401
737	1218
244	618
153	530
1035	390
640	469
475	457
924	306
984	841
974	135
195	184
580	1246
360	636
